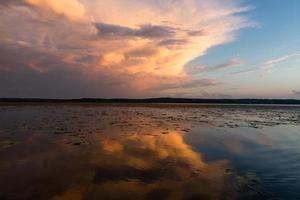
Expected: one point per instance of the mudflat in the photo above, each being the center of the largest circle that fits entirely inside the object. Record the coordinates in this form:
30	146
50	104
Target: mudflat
149	151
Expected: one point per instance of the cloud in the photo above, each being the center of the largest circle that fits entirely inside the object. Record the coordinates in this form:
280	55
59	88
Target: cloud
139	45
187	84
227	64
144	31
197	33
8	2
157	165
72	9
245	71
268	65
173	42
296	92
199	83
198	68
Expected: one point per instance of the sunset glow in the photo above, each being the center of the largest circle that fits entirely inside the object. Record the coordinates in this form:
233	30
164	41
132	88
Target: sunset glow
139	48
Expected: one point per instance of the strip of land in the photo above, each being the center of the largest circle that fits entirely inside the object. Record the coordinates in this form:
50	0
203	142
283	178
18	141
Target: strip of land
155	100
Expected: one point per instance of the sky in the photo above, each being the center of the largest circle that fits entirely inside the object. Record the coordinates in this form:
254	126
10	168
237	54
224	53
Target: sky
150	48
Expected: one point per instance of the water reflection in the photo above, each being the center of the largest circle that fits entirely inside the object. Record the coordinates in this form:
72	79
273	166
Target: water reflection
126	166
128	153
149	165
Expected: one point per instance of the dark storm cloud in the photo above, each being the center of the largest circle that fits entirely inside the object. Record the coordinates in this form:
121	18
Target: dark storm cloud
9	54
7	2
40	74
144	31
27	58
57	83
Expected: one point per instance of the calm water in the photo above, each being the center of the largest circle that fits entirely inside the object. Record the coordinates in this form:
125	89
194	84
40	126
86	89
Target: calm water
180	152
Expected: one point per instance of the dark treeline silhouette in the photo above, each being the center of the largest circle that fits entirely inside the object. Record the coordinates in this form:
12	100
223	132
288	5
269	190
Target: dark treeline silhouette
153	100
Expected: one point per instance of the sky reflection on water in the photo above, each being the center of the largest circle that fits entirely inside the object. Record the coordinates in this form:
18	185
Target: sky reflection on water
86	152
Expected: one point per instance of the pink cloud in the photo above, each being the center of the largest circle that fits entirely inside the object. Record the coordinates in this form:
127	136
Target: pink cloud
141	45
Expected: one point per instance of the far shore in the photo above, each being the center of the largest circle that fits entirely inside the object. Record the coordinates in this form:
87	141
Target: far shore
149	101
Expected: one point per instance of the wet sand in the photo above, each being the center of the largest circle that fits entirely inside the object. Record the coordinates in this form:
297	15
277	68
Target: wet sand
153	151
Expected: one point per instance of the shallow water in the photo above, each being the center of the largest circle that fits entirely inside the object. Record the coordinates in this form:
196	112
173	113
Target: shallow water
149	152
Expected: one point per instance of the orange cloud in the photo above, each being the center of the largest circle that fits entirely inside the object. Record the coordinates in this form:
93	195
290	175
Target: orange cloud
139	44
71	9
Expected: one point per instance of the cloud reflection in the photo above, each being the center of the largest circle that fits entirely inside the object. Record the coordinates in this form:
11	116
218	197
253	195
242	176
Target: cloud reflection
148	166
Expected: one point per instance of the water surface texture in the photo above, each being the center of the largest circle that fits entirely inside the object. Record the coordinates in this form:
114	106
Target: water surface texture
151	152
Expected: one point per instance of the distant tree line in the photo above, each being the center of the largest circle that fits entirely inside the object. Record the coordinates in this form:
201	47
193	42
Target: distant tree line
154	100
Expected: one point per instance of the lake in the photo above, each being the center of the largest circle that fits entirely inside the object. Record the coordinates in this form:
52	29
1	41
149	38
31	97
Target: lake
149	151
